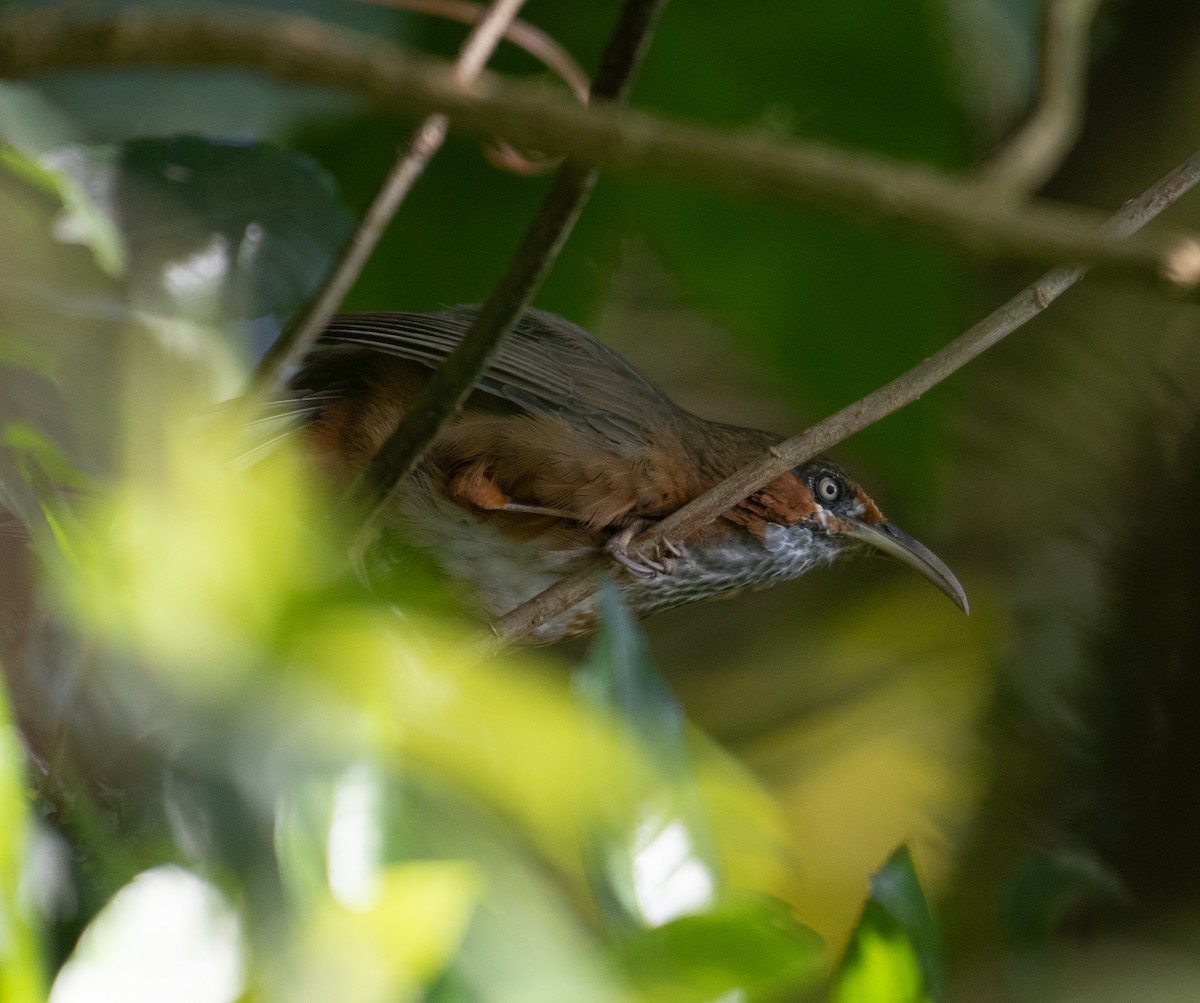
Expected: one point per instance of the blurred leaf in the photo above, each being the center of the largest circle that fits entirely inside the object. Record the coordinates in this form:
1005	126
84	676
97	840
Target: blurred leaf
194	564
61	324
186	233
81	221
749	948
486	728
148	101
619	675
1049	890
394	945
166	935
881	965
31	122
895	951
215	232
20	955
660	864
897	889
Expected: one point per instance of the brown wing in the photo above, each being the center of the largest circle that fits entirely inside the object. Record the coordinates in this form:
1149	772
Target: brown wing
558	420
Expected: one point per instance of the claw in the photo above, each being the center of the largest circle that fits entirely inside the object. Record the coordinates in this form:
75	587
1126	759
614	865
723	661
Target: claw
639	568
640	564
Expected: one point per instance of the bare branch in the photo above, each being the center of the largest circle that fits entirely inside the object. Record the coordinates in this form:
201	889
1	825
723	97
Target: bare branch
890	397
295	342
450	384
1032	155
312	52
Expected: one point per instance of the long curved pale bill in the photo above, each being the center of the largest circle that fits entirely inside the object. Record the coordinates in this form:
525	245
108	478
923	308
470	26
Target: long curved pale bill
899	545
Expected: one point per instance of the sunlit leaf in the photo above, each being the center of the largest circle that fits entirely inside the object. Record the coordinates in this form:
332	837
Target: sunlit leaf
894	953
194	563
897	889
881	965
387	949
508	735
20	956
750	948
166	935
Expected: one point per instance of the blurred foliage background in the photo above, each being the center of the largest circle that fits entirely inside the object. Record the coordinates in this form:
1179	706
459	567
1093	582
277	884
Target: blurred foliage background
230	773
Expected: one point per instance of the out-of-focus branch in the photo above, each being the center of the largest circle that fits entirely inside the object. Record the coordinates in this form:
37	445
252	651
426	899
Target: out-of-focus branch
450	384
311	52
1032	155
295	342
890	397
524	36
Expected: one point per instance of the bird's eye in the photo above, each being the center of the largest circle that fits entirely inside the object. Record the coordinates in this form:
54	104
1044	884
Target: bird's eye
829	490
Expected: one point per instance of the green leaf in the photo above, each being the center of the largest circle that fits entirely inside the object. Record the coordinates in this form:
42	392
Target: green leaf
896	887
390	948
881	965
21	978
130	255
619	675
1040	897
894	955
215	232
751	946
659	862
61	324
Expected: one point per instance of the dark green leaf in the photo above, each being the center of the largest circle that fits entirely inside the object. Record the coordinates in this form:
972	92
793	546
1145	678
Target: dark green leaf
620	675
1049	890
214	232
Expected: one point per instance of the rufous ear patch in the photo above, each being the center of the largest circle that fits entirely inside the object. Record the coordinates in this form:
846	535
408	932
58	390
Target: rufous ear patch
787	500
870	511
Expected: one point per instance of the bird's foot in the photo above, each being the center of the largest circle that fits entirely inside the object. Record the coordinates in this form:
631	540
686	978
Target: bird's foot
662	558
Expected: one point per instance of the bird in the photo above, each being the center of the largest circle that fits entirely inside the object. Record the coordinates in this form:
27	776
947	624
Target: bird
561	454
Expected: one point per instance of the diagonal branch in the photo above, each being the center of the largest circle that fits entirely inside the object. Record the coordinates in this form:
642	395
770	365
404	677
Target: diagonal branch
304	331
444	392
878	404
308	51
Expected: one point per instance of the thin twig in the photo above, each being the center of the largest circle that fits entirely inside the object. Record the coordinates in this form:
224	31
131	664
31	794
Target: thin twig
904	389
523	35
295	342
308	51
532	40
450	384
1032	155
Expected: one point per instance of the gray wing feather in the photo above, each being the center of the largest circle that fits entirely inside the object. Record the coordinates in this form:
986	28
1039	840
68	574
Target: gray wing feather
546	364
